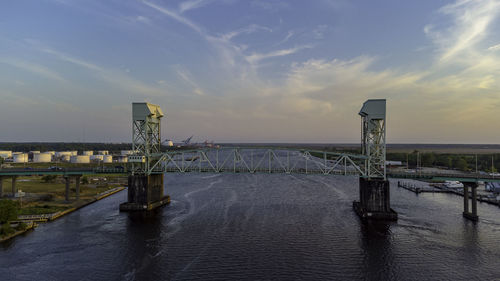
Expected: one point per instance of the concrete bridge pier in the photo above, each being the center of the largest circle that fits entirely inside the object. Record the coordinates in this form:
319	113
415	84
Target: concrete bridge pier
145	193
374	200
66	193
472	215
77	187
1	186
14	190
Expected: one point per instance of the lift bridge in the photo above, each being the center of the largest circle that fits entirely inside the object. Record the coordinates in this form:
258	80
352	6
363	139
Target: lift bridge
149	164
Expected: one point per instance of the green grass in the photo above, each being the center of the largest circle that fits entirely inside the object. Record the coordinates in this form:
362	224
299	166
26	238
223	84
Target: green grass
41	209
57	188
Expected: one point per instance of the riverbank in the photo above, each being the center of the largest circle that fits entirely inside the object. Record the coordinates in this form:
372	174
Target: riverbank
31	220
29	226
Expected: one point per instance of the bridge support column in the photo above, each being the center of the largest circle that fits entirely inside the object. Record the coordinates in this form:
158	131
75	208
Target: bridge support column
374	200
472	215
145	193
77	187
66	193
14	178
1	186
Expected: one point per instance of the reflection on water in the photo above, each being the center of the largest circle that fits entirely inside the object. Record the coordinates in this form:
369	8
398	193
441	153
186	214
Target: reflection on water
247	227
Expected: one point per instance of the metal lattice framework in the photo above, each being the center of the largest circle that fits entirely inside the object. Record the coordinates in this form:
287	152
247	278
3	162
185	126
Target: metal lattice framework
259	160
148	158
146	135
373	137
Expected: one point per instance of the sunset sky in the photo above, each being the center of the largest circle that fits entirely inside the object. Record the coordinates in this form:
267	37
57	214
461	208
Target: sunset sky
250	70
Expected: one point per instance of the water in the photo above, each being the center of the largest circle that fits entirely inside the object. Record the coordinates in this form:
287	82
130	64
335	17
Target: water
261	227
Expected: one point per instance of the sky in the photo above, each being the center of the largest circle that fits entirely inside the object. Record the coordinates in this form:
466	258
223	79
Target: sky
250	70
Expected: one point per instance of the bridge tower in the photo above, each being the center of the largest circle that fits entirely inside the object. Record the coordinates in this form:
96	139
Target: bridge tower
374	190
145	184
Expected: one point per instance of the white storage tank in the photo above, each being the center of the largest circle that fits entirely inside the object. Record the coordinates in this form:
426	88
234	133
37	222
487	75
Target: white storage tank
42	157
60	154
107	159
65	158
5	154
80	159
126	152
96	158
88	152
122	158
103	152
20	158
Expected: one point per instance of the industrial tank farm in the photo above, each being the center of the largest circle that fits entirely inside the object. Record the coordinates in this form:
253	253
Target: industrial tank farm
96	158
45	157
122	159
107	159
5	154
73	156
20	158
80	159
65	158
126	152
60	154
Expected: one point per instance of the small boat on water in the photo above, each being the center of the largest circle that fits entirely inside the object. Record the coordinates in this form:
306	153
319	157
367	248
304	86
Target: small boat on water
453	184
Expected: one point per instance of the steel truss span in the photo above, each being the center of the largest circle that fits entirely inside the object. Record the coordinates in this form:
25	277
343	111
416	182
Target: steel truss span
259	160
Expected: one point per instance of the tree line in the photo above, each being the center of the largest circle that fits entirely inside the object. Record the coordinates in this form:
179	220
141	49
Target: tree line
63	146
463	162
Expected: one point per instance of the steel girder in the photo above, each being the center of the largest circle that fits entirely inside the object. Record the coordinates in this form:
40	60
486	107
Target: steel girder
260	160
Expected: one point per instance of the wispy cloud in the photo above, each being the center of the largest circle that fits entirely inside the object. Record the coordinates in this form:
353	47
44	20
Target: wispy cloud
494	47
319	31
191	4
232	55
188	77
470	22
113	77
33	68
73	60
270	4
143	19
287	37
256	57
174	16
247	30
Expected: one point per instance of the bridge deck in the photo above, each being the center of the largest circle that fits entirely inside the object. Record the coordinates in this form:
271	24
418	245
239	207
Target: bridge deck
256	160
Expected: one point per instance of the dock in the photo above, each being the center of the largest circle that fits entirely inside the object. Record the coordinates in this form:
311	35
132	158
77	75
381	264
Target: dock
440	188
413	187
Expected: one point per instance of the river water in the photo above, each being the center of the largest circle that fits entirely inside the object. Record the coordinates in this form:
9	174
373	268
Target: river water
261	227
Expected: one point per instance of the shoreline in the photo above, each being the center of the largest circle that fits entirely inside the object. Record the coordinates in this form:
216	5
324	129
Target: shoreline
31	219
